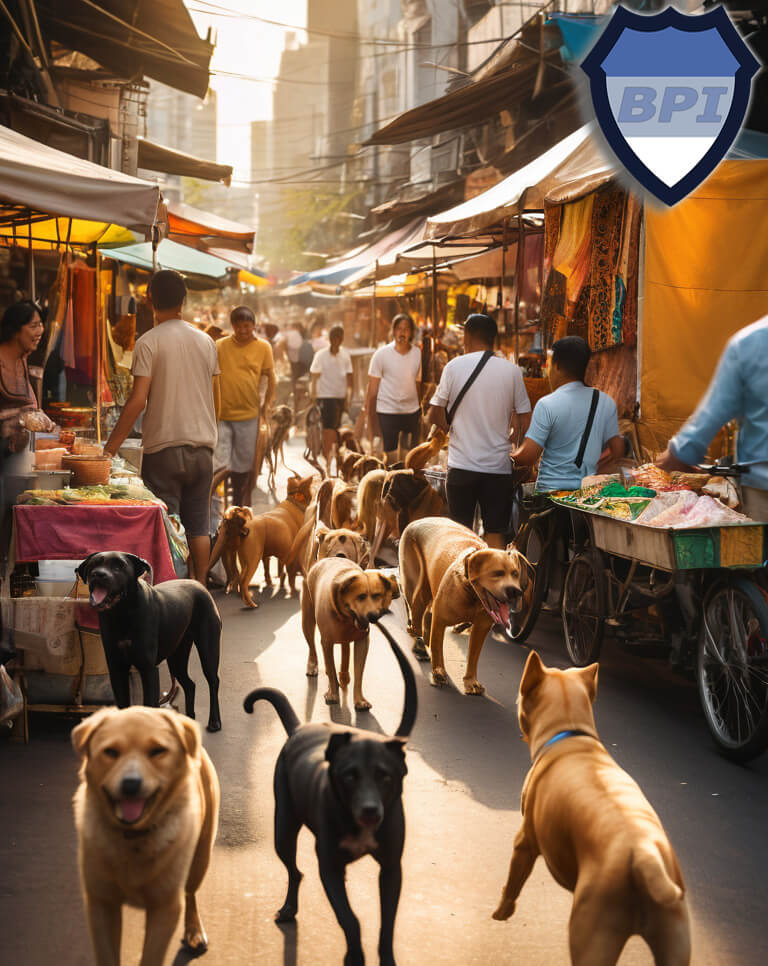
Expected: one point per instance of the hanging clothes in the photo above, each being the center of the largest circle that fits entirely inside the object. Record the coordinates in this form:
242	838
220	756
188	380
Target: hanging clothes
607	222
572	256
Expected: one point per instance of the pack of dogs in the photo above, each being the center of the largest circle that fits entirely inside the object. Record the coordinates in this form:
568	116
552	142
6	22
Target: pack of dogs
146	809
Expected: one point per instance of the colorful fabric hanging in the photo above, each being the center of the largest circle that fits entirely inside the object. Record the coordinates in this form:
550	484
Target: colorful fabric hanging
606	291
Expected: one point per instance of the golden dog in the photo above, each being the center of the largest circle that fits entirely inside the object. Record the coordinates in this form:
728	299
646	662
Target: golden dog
368	499
146	813
342	600
233	527
451	576
271	534
423	454
337	504
316	541
599	835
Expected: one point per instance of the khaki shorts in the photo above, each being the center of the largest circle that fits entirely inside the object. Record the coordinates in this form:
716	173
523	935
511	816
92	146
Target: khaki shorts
181	477
755	503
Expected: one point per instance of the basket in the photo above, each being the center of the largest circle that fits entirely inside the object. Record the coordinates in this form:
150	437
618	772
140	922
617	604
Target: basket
88	470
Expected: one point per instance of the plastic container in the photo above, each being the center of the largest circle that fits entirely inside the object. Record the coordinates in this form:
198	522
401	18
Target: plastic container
58	569
49	459
54	588
52	479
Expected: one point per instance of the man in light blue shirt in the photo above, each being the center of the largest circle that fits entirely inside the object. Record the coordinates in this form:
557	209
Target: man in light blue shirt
560	420
738	390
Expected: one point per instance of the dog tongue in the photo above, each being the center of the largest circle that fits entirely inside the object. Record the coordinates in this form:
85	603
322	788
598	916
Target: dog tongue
131	809
98	595
504	614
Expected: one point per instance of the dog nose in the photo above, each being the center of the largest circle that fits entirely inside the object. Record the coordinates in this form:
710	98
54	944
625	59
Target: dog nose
373	616
370	814
512	593
130	786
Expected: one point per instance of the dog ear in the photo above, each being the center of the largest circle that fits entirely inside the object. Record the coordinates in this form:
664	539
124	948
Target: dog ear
293	485
473	561
321	532
187	731
397	747
589	676
534	673
140	566
336	742
393	585
82	734
83	569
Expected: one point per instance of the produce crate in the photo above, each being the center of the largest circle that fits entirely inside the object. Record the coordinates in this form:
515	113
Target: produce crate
740	545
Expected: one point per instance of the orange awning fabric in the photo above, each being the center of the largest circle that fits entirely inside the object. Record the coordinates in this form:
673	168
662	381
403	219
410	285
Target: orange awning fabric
202	229
704	279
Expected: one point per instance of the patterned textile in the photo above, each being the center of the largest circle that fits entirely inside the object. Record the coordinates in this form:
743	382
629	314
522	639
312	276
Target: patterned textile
572	256
552	303
607	289
579	323
625	326
552	216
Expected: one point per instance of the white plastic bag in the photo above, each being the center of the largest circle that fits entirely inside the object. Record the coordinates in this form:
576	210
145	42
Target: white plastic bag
11	700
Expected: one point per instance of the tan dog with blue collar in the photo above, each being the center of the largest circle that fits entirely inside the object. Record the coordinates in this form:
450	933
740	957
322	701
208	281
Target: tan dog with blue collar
599	835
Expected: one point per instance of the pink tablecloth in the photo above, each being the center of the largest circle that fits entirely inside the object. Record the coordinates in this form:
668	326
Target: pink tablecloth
73	532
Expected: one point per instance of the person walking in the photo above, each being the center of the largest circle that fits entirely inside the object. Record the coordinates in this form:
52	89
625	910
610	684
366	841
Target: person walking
738	390
331	374
482	399
575	429
175	377
394	388
243	360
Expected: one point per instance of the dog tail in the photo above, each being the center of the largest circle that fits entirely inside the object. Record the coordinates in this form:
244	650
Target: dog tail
411	702
650	874
279	702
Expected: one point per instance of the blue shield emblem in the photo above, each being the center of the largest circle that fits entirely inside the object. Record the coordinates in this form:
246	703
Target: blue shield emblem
670	92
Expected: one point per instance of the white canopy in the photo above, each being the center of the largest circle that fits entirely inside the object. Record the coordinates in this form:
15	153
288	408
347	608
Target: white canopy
507	198
43	180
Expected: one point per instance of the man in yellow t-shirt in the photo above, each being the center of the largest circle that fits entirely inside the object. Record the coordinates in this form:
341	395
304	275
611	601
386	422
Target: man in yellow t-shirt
243	360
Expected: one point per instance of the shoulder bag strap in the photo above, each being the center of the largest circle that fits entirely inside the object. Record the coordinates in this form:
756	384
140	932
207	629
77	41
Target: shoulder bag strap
475	373
588	428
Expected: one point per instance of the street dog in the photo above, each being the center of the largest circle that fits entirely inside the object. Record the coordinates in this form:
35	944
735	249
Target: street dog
271	534
281	422
368	498
337	504
406	496
232	529
364	465
342	600
316	541
346	461
313	424
345	785
422	455
146	813
451	576
141	626
346	438
598	834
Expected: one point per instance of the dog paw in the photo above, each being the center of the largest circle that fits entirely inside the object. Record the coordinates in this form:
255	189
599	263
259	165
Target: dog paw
213	725
419	650
473	686
505	910
363	705
344	678
410	629
438	677
331	697
195	939
311	670
286	914
251	604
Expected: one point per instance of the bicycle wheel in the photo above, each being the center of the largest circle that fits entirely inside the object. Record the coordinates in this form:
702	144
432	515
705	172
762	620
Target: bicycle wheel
732	672
534	545
583	607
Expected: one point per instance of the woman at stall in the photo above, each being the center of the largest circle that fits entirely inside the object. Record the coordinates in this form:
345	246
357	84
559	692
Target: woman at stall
21	329
394	388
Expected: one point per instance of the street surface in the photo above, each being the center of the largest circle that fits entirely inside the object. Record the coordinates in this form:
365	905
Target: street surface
466	766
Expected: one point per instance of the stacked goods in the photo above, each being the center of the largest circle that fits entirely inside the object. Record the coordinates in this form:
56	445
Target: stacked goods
107	495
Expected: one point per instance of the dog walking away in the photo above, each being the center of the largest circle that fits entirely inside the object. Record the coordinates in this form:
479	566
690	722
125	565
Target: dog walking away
141	626
599	836
342	600
345	785
146	813
451	576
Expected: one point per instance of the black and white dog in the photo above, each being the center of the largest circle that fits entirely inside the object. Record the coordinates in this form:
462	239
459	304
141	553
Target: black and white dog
141	626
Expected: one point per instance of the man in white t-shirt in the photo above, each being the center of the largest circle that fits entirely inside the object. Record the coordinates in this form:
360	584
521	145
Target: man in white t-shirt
394	388
331	373
494	409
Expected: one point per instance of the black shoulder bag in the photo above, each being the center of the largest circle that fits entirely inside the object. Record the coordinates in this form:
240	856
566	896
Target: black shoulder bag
588	428
450	413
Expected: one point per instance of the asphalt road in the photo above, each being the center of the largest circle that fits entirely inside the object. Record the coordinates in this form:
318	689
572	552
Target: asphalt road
466	768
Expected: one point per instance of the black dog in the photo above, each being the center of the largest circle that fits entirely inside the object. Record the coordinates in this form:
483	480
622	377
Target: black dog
142	625
345	785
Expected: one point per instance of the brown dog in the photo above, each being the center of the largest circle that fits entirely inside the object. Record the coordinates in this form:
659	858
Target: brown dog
146	813
315	542
406	496
337	504
599	835
368	499
451	576
342	600
271	534
364	465
423	454
346	460
233	527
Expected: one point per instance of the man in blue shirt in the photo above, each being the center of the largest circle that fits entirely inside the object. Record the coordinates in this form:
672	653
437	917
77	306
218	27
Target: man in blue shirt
738	390
560	419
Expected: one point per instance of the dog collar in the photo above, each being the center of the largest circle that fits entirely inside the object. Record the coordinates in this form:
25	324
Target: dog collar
570	733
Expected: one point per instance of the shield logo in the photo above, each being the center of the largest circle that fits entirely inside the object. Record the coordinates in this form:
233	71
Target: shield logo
670	92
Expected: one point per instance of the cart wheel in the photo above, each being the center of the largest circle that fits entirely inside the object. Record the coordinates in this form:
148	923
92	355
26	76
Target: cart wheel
584	607
732	668
534	545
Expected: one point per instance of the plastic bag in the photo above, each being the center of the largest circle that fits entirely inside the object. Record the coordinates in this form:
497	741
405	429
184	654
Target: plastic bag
11	699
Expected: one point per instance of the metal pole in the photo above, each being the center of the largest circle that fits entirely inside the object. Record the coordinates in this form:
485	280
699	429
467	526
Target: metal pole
99	344
155	234
500	299
519	282
372	329
434	293
32	290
